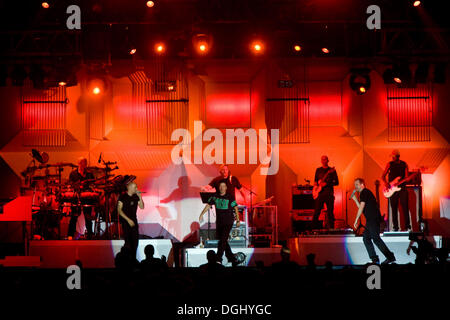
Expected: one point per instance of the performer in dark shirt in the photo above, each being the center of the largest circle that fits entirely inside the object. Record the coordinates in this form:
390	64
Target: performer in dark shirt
326	195
225	205
232	182
367	204
397	168
76	179
127	207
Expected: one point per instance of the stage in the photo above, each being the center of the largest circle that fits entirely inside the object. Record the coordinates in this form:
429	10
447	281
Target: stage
92	253
350	250
340	250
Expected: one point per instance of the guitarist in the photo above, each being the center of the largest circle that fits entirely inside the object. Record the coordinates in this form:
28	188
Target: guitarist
326	195
397	168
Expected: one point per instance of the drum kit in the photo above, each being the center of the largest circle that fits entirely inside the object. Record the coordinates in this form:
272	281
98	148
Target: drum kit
54	198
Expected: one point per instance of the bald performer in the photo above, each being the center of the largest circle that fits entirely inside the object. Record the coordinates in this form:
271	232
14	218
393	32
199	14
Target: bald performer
326	196
127	207
397	168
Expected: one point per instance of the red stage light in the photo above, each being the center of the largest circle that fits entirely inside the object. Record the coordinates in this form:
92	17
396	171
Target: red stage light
257	47
96	90
202	47
362	89
160	48
297	48
150	4
45	5
416	3
325	50
133	51
398	80
62	83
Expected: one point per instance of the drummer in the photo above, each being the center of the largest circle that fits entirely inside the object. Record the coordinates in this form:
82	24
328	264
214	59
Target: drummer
78	175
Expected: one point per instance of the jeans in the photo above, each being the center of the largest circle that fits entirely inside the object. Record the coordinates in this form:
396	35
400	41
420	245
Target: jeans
372	234
328	199
131	236
223	232
401	196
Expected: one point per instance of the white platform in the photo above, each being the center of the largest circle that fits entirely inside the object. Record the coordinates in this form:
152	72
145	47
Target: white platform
92	253
194	257
350	250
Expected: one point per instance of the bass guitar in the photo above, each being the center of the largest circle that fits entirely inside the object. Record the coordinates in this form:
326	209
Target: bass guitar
394	185
317	188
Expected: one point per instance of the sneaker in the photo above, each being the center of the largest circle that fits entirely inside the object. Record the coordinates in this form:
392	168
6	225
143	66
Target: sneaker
388	260
375	261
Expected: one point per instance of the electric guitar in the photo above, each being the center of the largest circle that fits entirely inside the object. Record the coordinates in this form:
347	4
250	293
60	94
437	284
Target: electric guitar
316	189
394	185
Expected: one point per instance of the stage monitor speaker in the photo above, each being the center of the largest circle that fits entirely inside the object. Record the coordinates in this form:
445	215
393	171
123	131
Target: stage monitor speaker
303	201
415	209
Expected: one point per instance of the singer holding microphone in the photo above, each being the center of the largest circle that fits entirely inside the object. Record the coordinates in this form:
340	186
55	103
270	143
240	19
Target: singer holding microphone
127	207
367	204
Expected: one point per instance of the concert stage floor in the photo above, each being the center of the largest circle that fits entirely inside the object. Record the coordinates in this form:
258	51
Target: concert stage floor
340	250
92	253
350	250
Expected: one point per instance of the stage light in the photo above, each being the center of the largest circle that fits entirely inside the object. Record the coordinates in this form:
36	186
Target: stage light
160	48
257	47
325	50
62	84
297	48
150	4
45	5
202	47
360	80
132	51
96	90
397	79
202	43
417	3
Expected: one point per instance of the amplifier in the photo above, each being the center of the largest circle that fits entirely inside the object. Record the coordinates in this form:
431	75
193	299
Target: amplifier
302	198
237	238
241	243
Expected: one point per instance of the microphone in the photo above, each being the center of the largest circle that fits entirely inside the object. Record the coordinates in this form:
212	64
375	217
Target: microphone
353	193
100	158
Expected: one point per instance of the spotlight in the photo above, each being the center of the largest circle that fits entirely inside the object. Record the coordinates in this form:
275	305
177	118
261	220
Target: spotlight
160	48
202	43
45	5
202	47
360	80
150	4
297	48
325	50
397	79
416	3
132	51
62	84
96	86
257	47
